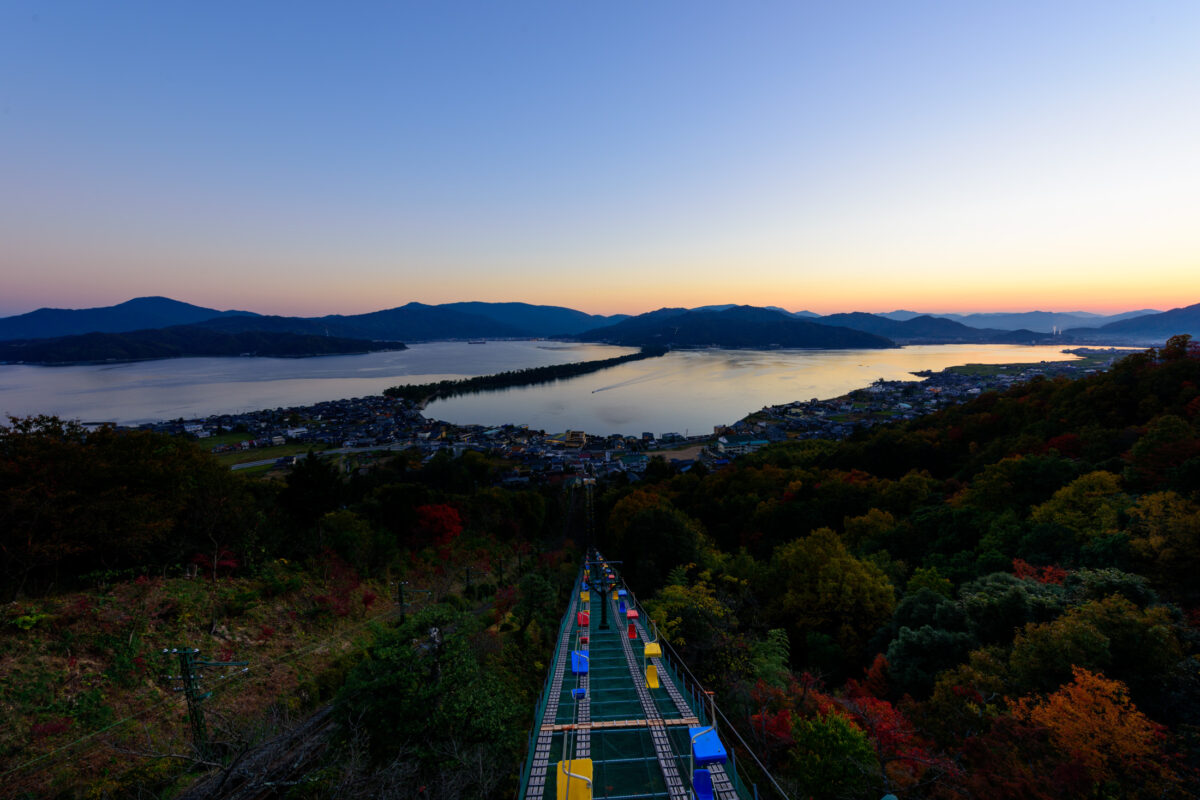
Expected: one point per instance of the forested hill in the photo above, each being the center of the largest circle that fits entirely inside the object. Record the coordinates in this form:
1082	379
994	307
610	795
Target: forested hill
140	313
181	340
739	326
928	329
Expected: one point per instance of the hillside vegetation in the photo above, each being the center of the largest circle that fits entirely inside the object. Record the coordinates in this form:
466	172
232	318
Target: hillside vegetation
117	545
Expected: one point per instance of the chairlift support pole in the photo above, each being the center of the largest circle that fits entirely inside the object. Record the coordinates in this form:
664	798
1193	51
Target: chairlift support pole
189	664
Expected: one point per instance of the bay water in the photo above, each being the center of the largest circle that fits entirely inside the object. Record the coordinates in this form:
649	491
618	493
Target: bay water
685	391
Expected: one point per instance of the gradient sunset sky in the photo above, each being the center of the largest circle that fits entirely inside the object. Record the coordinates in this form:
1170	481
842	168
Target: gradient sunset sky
342	157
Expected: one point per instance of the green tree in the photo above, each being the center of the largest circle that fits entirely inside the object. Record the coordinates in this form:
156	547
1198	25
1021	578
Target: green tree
358	542
833	759
1155	460
1136	645
422	689
313	489
999	604
825	589
537	601
696	623
1165	542
1019	482
869	531
651	536
1089	506
915	657
769	659
74	501
929	578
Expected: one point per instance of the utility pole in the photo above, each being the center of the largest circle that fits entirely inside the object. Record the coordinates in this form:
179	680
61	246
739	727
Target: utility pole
478	574
190	666
400	602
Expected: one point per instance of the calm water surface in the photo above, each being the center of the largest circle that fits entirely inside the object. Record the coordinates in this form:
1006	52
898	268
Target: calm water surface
684	391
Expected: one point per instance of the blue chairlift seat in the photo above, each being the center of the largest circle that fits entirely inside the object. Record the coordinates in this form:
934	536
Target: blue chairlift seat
706	747
702	784
579	662
578	693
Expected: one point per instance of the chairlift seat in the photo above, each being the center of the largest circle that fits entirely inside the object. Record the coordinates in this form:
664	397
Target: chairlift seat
582	618
706	746
579	662
651	677
653	650
632	613
702	784
573	780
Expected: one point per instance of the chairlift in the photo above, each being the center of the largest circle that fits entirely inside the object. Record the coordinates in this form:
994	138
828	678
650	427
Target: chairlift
651	650
651	677
574	776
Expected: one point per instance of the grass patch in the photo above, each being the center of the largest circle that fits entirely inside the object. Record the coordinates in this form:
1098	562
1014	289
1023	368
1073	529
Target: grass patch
260	453
990	370
995	370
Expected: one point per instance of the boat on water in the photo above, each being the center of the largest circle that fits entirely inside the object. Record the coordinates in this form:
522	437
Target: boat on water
476	341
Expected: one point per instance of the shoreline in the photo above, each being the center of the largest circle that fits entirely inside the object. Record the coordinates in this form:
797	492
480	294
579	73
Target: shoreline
259	404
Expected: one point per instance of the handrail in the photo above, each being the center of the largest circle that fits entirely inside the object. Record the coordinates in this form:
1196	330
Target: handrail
716	710
571	775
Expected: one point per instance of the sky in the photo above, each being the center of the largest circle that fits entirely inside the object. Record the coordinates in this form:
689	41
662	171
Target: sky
615	157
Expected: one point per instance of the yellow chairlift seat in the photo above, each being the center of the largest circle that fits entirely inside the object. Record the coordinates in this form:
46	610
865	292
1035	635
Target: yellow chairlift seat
574	779
653	650
651	677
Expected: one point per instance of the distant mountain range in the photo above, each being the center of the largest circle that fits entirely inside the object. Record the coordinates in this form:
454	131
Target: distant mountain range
478	320
933	330
138	314
177	341
1148	329
739	326
1037	321
412	322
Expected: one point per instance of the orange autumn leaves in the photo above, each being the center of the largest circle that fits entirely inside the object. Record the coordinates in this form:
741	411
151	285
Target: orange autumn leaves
1093	721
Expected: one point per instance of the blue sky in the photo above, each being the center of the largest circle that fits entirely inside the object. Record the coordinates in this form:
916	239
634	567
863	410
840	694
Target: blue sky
343	157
